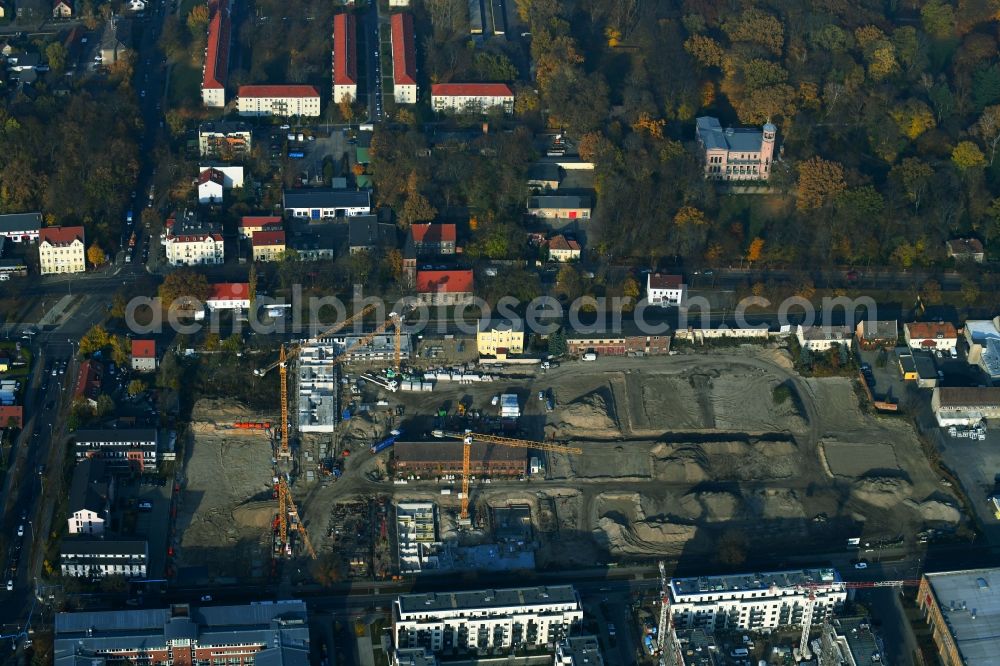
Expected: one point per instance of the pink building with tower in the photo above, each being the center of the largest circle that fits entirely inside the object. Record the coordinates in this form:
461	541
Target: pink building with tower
736	153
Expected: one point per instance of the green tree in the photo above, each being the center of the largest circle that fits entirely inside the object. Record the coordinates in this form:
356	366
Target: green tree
120	350
938	19
557	343
55	54
197	20
136	387
915	177
105	405
170	373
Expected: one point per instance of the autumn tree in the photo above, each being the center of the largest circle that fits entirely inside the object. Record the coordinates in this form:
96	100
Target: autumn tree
95	255
689	215
197	19
913	117
95	339
987	128
416	207
914	176
819	180
136	387
755	250
55	54
346	108
183	286
705	50
120	350
394	262
967	155
757	27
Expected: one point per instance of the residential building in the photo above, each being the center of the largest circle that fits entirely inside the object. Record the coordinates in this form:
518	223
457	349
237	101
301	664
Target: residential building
559	206
317	387
229	296
432	239
873	333
89	382
381	347
963	610
579	651
11	416
849	641
617	343
12	267
268	245
965	406
930	335
445	457
563	249
23	62
216	69
755	602
404	59
544	177
88	557
314	243
822	338
251	224
739	153
189	241
317	203
90	495
21	227
232	174
416	536
983	338
279	100
502	338
62	9
345	58
143	357
266	633
665	290
211	183
483	620
966	249
366	234
116	40
135	448
471	97
399	3
444	287
413	656
61	250
225	140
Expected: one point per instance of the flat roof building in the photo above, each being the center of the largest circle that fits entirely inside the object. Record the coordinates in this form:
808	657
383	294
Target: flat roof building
963	609
445	457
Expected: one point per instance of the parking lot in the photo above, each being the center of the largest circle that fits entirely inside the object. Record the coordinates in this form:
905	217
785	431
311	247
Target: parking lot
315	146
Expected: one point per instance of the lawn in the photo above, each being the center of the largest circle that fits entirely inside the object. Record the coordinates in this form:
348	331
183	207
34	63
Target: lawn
185	85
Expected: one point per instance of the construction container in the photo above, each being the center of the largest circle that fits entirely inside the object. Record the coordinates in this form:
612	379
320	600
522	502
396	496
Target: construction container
427	386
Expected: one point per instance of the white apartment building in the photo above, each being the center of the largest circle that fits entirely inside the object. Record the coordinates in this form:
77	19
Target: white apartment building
232	175
822	338
345	57
755	602
472	97
485	620
61	250
665	290
735	153
416	532
404	59
189	242
90	496
278	100
97	558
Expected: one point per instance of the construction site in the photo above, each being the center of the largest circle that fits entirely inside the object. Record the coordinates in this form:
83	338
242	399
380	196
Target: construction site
614	460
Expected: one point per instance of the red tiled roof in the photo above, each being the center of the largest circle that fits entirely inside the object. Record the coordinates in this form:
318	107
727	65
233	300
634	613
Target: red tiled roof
230	291
657	281
217	49
143	348
265	238
8	412
965	246
254	221
562	243
291	90
60	235
213	175
88	382
471	90
449	282
345	61
404	66
433	233
929	330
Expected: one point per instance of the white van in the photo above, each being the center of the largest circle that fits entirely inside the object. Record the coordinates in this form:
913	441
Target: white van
590	356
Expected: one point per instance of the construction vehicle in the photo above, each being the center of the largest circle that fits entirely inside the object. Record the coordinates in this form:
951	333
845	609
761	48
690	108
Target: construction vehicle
468	437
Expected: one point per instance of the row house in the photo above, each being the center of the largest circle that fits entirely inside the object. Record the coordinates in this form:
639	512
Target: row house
283	101
404	59
345	58
216	69
471	97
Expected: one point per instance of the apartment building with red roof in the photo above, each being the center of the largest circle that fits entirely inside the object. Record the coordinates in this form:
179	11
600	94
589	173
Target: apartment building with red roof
345	57
471	97
283	101
251	224
229	296
216	70
143	356
61	250
404	59
445	287
268	245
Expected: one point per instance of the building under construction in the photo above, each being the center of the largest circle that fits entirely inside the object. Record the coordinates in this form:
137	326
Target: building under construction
381	347
317	377
441	457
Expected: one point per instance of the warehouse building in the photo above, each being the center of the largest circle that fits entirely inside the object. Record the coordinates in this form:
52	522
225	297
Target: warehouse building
755	602
483	620
441	457
963	406
617	344
275	633
963	610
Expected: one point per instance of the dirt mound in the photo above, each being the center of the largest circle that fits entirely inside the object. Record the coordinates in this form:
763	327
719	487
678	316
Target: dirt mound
725	460
220	411
881	491
255	514
774	503
647	537
934	511
711	507
590	414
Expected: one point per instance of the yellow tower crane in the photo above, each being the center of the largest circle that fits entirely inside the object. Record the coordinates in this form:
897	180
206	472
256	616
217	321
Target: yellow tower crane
286	508
469	437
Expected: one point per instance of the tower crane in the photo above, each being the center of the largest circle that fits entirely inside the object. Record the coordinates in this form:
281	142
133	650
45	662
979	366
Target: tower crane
286	508
468	437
